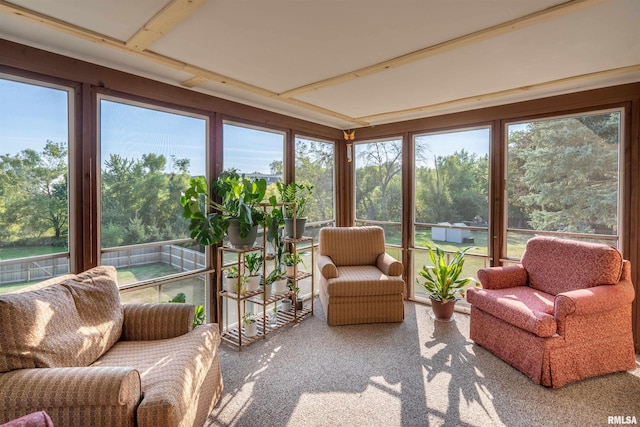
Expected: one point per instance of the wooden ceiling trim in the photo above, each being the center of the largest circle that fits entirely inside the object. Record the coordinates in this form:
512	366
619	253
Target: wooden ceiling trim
471	99
200	75
164	21
548	14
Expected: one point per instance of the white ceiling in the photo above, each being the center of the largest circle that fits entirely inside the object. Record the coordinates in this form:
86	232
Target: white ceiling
347	63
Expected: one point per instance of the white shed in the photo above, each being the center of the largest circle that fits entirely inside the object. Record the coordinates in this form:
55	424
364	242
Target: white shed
458	235
440	233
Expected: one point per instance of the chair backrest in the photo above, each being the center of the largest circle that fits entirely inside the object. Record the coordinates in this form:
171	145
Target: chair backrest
559	265
352	245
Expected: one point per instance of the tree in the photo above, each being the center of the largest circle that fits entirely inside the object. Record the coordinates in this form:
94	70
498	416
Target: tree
452	188
140	199
564	173
34	189
379	182
314	166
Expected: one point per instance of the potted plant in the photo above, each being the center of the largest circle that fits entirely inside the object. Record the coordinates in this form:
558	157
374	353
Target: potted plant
254	265
236	215
250	325
290	261
295	197
443	283
278	282
233	279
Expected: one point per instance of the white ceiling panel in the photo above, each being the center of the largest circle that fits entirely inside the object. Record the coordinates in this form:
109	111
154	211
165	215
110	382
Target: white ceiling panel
265	48
119	19
499	64
283	44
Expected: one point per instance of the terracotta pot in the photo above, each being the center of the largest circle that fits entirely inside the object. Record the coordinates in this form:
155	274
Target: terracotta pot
443	311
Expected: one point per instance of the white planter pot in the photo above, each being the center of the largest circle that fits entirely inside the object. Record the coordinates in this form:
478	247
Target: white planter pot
253	283
267	293
279	287
289	270
230	284
251	329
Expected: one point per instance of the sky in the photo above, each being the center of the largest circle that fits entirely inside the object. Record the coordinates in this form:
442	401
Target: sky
30	115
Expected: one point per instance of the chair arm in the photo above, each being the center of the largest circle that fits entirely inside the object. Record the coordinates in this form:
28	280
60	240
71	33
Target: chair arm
389	265
503	277
144	322
593	300
326	266
33	389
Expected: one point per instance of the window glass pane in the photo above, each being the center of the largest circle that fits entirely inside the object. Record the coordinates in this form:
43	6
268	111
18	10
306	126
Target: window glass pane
563	179
452	197
257	153
34	180
378	176
315	166
192	288
147	158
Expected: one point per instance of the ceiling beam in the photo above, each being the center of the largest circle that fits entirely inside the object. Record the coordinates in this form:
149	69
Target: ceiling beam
502	93
563	9
200	75
164	21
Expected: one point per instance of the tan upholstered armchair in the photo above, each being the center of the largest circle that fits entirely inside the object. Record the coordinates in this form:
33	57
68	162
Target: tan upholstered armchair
562	315
70	348
359	281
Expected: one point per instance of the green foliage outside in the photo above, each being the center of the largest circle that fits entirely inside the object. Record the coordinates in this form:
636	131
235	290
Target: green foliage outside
33	197
314	166
562	176
198	316
140	199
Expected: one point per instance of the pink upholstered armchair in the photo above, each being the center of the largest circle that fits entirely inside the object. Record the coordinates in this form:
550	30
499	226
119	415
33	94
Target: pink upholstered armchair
562	315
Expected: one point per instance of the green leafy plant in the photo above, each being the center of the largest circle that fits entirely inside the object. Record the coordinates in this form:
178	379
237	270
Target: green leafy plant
274	276
239	199
254	263
291	259
274	220
198	317
298	193
248	318
442	280
232	272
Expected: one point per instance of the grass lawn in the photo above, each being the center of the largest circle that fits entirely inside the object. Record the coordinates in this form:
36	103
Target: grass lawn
27	251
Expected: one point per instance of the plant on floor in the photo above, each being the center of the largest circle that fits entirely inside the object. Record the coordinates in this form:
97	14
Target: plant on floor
442	280
198	317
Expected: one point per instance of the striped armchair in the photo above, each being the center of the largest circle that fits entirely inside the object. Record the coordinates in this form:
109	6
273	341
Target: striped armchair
70	348
359	281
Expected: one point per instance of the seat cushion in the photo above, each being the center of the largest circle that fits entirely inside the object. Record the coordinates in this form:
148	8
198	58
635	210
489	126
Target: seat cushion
558	265
172	372
363	280
521	306
64	322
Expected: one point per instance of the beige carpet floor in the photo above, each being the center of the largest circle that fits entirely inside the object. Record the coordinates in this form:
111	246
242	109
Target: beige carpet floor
415	373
